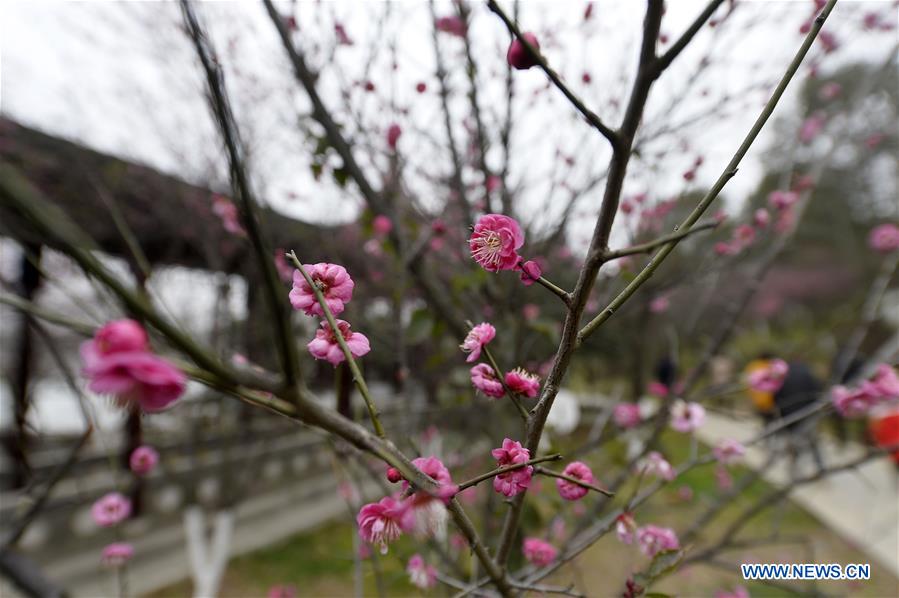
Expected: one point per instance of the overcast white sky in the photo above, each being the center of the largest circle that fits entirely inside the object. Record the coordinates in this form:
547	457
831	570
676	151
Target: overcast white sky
121	77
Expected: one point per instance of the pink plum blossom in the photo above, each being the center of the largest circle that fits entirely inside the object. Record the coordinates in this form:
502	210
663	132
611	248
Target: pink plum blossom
626	415
830	90
111	509
325	344
117	554
530	311
851	402
384	521
476	339
656	464
570	490
761	218
495	242
120	336
382	225
885	382
333	281
515	481
523	382
625	528
744	235
781	200
884	238
453	25
225	209
131	374
657	389
654	539
518	55
659	305
538	552
484	379
421	575
729	451
393	135
143	460
285	271
686	417
530	272
437	471
768	379
812	126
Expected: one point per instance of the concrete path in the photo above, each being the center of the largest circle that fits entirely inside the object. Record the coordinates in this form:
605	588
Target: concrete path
862	505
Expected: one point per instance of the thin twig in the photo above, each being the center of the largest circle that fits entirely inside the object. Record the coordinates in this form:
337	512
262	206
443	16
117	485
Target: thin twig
614	254
506	468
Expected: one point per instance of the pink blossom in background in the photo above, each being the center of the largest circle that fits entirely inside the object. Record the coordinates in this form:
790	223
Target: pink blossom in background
143	460
729	451
654	539
325	344
121	335
557	529
872	141
393	135
737	592
685	493
421	87
333	281
884	238
785	220
227	213
625	528
626	415
381	225
885	382
723	478
851	402
830	90
781	200
476	339
656	464
530	311
285	270
515	481
384	521
761	218
812	126
111	509
495	242
421	575
523	382
538	552
828	41
570	490
493	183
518	56
116	554
453	25
768	379
726	249
133	377
744	235
803	183
659	305
484	379
342	37
530	272
657	389
686	417
289	591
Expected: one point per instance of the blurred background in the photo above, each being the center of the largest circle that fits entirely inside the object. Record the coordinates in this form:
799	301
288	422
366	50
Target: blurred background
104	110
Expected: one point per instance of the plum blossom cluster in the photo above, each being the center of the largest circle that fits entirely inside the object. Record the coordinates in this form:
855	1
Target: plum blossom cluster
884	238
769	378
336	287
571	490
382	522
515	481
484	378
108	511
882	387
494	244
118	362
686	417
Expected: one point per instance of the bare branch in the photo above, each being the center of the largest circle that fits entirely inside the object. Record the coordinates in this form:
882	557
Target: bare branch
650	245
